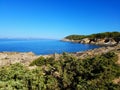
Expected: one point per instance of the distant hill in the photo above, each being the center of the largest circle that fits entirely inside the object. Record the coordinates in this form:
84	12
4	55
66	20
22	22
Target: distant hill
99	38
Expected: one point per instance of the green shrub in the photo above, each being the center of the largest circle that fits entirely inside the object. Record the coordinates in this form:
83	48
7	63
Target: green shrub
67	73
39	61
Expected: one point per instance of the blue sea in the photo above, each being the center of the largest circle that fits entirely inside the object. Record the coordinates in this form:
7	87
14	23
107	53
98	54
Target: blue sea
42	46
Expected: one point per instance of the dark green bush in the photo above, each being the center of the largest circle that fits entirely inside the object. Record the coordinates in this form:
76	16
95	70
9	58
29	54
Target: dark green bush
39	61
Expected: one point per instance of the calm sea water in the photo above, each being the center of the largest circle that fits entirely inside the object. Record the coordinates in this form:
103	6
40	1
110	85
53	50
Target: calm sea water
41	47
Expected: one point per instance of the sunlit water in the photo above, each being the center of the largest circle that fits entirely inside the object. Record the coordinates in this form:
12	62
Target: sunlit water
42	46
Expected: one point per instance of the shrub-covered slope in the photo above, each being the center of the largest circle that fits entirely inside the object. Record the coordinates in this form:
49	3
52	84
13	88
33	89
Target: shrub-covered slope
66	73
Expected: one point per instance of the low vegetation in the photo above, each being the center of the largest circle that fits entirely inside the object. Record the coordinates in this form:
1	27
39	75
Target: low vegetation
66	73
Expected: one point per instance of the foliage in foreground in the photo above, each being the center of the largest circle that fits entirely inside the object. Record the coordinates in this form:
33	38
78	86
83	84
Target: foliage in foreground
67	73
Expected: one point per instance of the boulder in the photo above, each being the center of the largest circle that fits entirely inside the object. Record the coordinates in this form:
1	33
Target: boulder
85	40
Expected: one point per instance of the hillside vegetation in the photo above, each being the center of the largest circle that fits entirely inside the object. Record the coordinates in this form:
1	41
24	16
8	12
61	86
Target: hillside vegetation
107	36
93	36
65	73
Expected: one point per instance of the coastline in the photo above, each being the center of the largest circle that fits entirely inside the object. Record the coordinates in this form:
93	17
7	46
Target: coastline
8	58
100	42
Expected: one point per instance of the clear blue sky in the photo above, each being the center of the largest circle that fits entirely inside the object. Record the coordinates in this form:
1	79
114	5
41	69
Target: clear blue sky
57	18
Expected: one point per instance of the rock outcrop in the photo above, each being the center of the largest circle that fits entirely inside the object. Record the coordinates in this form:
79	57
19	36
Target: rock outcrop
7	58
85	40
103	41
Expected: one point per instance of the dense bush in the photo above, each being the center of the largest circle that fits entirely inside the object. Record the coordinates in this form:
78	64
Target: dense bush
67	73
42	61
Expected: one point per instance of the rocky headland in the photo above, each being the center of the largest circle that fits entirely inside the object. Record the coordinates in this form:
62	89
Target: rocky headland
107	38
104	41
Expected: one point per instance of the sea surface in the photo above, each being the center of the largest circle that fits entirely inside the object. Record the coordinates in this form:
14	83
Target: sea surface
42	46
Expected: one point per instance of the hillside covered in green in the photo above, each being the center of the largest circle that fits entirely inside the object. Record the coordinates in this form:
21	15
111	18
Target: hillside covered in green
65	73
114	35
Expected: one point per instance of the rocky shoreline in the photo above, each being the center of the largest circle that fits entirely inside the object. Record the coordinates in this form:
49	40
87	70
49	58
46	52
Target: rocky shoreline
102	42
97	51
7	58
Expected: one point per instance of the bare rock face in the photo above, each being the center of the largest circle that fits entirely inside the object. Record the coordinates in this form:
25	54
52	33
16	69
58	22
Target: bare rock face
103	41
7	58
100	41
110	41
85	40
92	42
